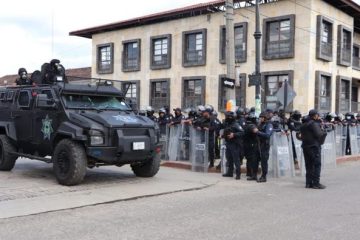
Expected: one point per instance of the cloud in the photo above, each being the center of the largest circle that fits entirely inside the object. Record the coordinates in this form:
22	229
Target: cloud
33	32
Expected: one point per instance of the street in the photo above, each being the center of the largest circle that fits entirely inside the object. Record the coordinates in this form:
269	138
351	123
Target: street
198	206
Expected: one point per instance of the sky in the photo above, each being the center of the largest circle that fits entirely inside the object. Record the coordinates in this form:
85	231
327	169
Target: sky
34	32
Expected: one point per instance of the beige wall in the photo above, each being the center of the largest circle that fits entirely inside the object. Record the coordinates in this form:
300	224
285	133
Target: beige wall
304	64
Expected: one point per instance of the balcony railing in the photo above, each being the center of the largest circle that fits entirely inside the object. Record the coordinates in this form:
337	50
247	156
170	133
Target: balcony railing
346	55
278	49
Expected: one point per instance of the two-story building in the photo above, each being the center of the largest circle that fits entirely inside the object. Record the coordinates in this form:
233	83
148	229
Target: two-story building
177	57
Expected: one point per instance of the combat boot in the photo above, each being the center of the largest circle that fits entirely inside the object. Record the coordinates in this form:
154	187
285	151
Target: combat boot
262	179
252	178
318	186
227	175
237	177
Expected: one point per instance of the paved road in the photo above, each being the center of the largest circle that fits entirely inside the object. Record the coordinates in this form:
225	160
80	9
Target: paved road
279	209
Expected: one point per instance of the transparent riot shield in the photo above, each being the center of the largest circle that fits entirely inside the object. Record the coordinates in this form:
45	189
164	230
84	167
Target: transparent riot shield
298	149
184	143
353	140
272	160
164	142
358	136
282	155
224	163
199	151
340	140
173	142
328	151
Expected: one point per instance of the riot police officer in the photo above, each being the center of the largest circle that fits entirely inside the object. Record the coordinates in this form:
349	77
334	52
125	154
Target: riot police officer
23	77
294	125
264	133
178	117
312	138
232	135
163	121
150	113
251	146
207	123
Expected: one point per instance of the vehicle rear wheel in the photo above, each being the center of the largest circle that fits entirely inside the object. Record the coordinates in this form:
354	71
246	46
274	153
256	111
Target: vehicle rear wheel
147	169
70	162
7	161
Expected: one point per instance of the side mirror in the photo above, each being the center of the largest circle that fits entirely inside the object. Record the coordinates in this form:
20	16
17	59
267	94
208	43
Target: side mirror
42	101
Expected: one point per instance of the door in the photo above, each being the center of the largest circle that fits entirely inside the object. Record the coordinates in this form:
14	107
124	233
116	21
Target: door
22	116
45	123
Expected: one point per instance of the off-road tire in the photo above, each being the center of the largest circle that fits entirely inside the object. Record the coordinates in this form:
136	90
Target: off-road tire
147	169
69	162
7	161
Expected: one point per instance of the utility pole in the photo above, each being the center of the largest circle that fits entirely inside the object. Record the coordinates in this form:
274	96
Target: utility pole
230	49
257	36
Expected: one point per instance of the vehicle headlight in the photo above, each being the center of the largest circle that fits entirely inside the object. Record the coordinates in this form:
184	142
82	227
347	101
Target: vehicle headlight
96	137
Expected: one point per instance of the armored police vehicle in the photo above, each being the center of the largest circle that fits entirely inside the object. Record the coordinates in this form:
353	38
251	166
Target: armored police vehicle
78	126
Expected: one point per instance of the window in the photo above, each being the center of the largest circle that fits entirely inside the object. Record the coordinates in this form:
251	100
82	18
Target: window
105	56
193	92
194	48
160	52
240	92
323	91
272	85
131	90
324	38
279	37
24	99
354	99
356	57
10	95
344	46
159	93
131	56
343	94
2	95
240	40
48	93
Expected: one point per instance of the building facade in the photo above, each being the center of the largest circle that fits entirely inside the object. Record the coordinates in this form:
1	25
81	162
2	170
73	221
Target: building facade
177	57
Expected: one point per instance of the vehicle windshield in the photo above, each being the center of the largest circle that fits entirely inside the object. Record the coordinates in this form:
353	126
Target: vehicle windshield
74	101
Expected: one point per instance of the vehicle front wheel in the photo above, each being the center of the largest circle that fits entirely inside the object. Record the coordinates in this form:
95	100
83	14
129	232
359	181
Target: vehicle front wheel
147	169
7	161
69	162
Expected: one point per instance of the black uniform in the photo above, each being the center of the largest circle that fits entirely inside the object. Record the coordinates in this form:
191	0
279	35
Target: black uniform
209	123
251	150
264	134
312	138
233	147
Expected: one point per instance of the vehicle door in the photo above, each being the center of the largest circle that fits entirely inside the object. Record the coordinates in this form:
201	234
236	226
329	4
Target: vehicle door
21	114
45	119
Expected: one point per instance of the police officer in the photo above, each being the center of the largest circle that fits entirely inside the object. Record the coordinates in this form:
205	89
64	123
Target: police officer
232	135
217	123
163	121
207	123
264	133
312	138
251	146
150	113
294	125
23	77
178	117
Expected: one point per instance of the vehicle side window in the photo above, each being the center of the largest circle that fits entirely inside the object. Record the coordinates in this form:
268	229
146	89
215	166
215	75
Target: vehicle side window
48	93
2	95
10	95
24	99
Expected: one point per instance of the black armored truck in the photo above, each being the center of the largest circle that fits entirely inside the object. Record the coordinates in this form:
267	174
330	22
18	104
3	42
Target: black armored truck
75	126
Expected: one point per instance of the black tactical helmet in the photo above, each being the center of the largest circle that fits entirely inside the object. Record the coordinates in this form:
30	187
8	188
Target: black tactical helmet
230	114
264	115
209	108
21	70
240	111
200	108
252	109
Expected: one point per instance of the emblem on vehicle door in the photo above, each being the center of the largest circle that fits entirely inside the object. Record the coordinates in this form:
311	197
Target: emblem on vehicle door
127	119
47	129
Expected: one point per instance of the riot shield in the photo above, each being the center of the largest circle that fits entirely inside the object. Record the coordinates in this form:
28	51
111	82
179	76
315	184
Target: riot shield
184	143
173	142
353	140
299	152
358	137
272	160
164	133
282	155
340	139
224	163
328	151
199	150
